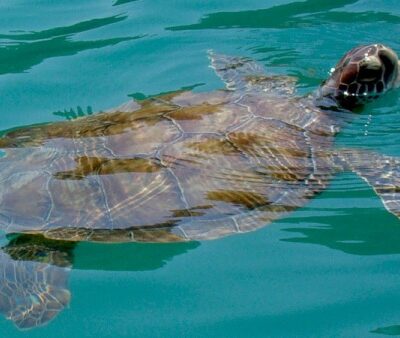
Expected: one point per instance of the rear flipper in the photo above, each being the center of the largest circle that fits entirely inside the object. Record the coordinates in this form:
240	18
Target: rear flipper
381	172
34	282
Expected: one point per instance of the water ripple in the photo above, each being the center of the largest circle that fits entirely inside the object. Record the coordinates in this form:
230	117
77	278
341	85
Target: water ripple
33	48
292	15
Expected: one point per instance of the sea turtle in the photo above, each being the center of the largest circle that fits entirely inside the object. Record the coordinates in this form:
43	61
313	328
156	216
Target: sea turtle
180	166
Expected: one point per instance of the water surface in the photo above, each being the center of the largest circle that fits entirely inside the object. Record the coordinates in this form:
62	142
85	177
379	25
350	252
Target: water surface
329	269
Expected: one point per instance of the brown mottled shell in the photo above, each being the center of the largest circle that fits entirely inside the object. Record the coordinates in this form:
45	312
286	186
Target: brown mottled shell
176	167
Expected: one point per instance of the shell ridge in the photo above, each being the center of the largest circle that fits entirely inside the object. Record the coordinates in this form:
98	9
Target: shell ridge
107	148
47	218
178	137
236	224
251	114
183	232
180	189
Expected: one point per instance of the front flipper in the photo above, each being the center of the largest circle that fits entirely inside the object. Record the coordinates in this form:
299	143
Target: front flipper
34	281
243	74
381	172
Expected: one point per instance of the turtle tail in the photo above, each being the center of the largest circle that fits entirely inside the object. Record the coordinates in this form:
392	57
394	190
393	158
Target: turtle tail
381	172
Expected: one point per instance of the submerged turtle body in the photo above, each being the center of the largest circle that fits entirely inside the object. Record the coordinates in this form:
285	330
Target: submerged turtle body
181	166
178	167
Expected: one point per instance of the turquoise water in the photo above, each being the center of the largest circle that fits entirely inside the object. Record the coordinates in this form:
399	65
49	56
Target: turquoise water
330	269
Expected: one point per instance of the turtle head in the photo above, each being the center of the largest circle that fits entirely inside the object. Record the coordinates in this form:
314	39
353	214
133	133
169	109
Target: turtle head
363	74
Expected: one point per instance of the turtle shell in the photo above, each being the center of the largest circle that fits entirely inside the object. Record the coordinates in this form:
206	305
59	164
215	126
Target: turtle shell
181	166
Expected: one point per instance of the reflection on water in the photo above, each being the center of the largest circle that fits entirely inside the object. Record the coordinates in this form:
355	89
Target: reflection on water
276	56
72	114
128	256
141	96
352	229
121	2
35	271
393	330
292	15
34	47
365	237
64	31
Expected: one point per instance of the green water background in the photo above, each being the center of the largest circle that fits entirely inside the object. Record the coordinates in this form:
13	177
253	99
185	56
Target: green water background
331	269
